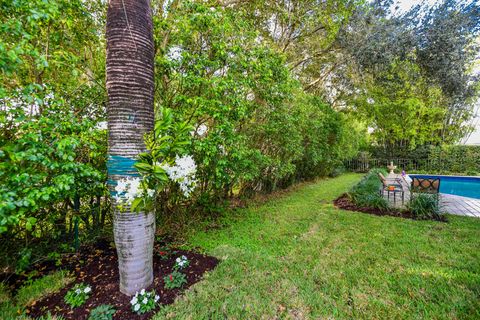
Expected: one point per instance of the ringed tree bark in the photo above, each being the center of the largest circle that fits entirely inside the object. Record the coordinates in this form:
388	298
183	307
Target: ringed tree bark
130	113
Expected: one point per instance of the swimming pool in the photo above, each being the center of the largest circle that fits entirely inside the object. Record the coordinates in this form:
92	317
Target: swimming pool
456	185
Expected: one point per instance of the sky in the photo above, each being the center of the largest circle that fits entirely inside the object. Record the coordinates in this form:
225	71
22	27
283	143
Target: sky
474	138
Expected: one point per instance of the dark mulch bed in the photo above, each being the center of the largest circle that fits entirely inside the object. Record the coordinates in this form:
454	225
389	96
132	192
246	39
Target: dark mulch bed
99	269
344	202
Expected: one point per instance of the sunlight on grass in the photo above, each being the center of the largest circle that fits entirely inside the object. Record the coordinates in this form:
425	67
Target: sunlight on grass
299	257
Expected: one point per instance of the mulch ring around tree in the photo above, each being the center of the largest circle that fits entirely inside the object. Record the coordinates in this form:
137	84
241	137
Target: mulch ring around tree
99	270
345	203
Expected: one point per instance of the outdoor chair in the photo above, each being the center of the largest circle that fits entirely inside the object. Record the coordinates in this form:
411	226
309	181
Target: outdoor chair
393	186
425	185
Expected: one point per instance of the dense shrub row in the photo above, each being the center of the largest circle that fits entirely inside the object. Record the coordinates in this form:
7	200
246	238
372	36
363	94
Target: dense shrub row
254	130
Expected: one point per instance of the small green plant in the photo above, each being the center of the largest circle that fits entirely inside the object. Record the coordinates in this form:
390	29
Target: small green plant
164	252
144	301
175	280
77	296
424	206
102	312
181	263
25	256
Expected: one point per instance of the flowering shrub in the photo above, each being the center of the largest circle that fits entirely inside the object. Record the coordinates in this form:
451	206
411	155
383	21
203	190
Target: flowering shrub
175	280
102	312
183	172
164	163
144	301
181	263
77	296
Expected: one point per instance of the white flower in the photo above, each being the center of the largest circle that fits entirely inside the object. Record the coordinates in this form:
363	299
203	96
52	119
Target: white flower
102	125
202	129
370	101
136	307
177	260
174	54
157	297
134	301
183	172
128	189
250	96
150	193
87	289
142	292
145	300
78	291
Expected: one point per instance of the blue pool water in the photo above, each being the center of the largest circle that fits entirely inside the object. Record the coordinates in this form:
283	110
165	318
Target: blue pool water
460	186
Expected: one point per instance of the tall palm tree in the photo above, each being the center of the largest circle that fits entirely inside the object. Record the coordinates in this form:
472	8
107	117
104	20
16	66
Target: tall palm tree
130	88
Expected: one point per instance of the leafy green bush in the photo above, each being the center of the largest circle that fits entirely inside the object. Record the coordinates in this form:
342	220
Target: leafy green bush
424	206
102	312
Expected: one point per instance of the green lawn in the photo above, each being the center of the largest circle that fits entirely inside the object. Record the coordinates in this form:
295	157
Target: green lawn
297	257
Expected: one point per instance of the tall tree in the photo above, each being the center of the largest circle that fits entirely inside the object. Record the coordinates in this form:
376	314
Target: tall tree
130	86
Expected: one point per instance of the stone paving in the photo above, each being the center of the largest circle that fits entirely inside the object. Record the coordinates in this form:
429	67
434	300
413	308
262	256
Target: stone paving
449	203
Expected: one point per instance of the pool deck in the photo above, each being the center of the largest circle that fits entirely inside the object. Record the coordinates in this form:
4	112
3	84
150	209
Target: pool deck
457	205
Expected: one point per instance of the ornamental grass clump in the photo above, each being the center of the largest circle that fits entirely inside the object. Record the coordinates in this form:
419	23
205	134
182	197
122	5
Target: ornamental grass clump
144	301
425	206
78	295
366	192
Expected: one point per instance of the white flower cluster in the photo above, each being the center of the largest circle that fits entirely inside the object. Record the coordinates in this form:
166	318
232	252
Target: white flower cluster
181	262
31	108
102	125
128	189
183	172
142	298
86	290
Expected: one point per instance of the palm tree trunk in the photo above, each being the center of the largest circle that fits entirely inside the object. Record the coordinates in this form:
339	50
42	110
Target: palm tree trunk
130	87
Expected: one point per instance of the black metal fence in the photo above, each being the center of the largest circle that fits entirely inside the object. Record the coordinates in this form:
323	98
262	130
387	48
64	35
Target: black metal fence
364	165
